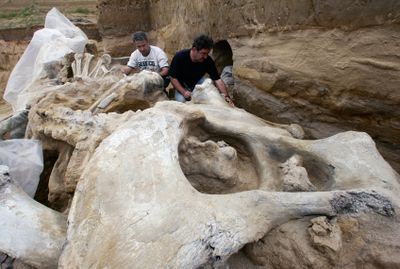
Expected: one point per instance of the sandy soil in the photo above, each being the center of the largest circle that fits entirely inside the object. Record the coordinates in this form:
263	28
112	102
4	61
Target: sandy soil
5	110
11	51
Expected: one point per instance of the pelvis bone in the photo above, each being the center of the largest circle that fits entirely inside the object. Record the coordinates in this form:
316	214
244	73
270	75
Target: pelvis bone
136	205
188	185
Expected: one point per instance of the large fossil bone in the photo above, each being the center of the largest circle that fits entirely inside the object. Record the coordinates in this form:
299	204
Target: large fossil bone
14	125
159	220
144	198
29	230
50	121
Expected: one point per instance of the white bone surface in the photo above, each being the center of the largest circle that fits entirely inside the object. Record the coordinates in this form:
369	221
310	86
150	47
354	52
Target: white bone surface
29	230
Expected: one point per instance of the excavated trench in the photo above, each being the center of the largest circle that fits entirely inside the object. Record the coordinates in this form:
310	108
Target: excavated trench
17	40
202	144
227	158
230	165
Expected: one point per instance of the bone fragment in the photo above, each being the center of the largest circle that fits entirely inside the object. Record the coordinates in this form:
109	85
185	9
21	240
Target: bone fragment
86	64
29	230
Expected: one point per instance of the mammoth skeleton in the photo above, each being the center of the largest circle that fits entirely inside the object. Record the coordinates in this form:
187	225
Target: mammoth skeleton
162	184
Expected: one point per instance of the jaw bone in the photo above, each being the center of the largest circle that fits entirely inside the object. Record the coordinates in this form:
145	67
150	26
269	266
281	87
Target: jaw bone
29	230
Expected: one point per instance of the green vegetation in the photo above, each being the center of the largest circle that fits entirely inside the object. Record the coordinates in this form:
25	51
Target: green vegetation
24	17
31	10
81	10
8	15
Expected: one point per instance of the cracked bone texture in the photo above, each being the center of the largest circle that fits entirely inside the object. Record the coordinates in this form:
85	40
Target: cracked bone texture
29	230
327	65
147	169
142	199
75	140
330	66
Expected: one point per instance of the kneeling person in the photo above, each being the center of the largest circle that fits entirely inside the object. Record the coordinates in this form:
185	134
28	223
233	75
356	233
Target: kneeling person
190	65
147	57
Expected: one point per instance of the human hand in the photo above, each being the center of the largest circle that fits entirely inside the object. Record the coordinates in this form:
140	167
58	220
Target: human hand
187	95
228	100
125	69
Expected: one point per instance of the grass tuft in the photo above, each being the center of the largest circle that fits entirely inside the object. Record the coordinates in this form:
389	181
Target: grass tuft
81	10
8	15
29	11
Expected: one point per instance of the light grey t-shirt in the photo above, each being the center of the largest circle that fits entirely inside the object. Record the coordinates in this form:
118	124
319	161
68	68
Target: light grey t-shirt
156	60
227	76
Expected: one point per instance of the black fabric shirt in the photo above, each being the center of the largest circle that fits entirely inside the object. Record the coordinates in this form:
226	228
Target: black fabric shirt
189	73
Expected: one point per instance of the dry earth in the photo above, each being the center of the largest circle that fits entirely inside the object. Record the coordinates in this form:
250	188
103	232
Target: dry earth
358	32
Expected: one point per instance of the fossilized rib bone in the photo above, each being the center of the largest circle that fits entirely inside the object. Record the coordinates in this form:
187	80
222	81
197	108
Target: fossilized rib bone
29	230
101	67
82	63
87	59
76	65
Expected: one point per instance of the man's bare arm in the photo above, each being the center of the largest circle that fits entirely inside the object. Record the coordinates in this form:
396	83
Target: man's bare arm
164	71
178	86
224	91
127	70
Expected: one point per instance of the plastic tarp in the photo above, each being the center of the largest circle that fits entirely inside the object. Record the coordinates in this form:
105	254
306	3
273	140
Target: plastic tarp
24	158
58	38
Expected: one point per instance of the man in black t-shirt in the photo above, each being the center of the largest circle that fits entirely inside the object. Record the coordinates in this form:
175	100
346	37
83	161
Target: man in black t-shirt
190	65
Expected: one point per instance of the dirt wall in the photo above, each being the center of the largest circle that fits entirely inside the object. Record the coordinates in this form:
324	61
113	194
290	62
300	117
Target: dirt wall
330	66
10	52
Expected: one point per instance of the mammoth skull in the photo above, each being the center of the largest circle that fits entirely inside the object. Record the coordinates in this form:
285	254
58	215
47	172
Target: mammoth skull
188	185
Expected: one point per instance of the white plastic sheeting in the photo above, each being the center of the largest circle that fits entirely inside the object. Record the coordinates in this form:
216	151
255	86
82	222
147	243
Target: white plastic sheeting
50	44
24	157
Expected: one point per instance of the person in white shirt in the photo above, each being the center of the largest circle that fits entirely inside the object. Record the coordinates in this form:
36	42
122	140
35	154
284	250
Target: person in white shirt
147	57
